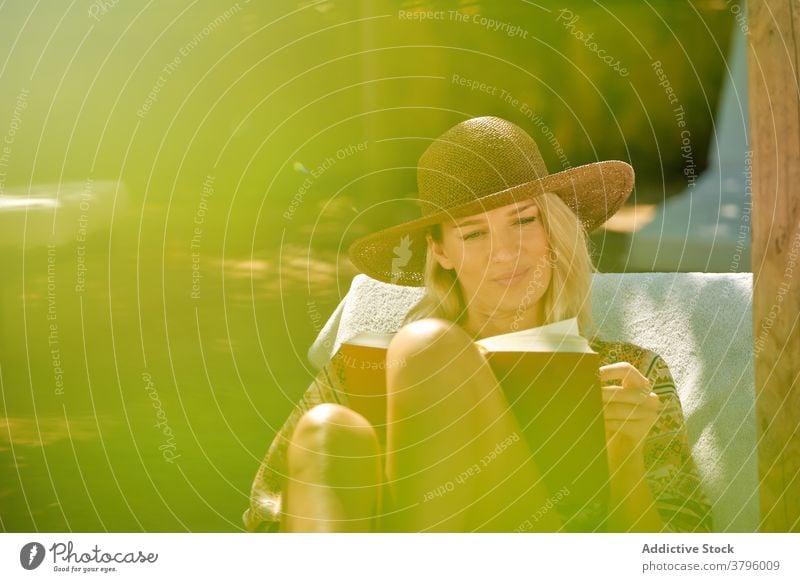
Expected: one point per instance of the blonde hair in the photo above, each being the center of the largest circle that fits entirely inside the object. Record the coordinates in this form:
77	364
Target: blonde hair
568	294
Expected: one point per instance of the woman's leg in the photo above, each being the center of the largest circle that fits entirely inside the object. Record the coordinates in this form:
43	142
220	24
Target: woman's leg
446	415
334	465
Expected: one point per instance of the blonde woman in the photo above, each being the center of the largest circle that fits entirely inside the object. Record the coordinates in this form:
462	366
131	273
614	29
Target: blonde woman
500	246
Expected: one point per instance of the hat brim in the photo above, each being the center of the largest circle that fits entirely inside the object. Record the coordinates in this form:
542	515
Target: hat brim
397	254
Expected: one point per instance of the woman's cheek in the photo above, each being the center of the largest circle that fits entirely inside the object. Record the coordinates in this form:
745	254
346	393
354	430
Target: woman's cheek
541	275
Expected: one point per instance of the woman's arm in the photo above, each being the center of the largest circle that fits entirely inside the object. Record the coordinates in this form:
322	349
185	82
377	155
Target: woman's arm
631	504
671	471
654	481
631	410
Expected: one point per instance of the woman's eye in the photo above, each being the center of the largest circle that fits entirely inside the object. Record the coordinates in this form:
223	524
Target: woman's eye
472	235
526	220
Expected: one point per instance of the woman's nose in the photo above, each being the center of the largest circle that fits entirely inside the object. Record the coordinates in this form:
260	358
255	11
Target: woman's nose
505	245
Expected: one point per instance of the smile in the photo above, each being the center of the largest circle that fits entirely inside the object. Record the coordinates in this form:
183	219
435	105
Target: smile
512	279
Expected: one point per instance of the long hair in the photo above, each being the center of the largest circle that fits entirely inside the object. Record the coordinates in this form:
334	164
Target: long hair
568	294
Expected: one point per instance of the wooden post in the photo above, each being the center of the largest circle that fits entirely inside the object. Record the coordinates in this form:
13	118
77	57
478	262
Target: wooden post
774	93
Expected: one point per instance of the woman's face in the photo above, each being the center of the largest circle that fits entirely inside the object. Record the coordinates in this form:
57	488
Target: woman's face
501	258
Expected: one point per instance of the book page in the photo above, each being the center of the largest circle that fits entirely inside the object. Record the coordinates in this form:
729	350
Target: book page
561	336
371	339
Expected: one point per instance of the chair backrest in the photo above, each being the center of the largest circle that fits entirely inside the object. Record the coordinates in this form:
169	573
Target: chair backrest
700	323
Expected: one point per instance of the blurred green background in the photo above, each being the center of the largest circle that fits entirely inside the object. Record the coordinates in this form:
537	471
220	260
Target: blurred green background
179	181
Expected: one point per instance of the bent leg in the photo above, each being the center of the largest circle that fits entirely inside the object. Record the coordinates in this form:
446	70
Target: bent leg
334	466
446	414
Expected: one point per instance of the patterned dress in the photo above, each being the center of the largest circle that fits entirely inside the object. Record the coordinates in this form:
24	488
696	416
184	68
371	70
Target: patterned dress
671	472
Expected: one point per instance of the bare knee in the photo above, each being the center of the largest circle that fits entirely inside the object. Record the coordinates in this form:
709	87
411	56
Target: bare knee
334	472
436	358
334	430
428	339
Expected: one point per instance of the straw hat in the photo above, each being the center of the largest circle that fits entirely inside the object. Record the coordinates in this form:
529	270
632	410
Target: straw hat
476	166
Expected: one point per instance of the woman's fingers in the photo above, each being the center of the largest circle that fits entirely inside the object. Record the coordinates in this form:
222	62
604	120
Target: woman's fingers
626	374
618	394
628	405
620	371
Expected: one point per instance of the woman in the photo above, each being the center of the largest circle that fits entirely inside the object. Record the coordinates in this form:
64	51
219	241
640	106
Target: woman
500	247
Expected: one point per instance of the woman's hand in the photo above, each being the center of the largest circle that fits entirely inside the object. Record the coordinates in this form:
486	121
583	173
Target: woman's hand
630	409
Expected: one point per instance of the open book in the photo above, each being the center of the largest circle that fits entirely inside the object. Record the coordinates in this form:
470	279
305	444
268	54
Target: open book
550	378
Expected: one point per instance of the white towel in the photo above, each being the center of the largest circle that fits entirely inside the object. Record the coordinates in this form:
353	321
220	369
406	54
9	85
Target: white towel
700	323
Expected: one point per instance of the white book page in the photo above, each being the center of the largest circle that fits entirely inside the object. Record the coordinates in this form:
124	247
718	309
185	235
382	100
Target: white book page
371	339
561	336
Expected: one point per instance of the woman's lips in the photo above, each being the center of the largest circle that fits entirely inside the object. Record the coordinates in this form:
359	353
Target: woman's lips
512	279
